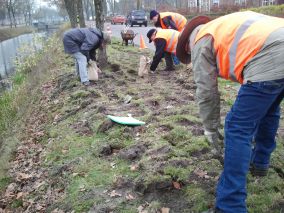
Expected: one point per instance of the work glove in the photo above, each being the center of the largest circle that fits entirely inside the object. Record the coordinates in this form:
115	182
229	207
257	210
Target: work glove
91	62
215	138
149	61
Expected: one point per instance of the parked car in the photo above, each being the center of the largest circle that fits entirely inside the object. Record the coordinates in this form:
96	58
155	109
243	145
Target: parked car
118	19
137	17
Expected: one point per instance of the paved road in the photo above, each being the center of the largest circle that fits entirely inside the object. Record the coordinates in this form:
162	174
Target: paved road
116	29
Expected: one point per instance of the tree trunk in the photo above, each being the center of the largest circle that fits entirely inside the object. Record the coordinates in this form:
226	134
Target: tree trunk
26	18
138	4
8	6
105	8
14	15
99	8
92	10
10	16
80	12
198	6
71	10
113	6
30	17
86	4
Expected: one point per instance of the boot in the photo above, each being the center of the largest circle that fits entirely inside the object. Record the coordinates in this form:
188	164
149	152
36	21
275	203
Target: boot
169	69
169	62
257	172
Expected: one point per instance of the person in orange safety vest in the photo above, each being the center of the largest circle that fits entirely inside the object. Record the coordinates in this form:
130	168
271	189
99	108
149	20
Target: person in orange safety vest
247	48
165	42
168	20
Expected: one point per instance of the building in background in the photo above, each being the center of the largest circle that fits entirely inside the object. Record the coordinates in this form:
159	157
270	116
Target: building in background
207	5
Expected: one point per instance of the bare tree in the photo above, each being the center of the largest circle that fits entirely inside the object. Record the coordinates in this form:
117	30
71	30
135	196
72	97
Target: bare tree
87	7
92	10
60	4
27	9
105	7
80	12
2	11
13	4
74	8
10	6
72	12
99	8
111	4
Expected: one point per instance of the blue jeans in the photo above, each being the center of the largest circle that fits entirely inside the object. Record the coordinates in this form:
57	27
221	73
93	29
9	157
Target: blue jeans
81	66
254	115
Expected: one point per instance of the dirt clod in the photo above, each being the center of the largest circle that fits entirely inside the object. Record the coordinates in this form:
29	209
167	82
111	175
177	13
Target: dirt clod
115	67
106	150
105	126
133	152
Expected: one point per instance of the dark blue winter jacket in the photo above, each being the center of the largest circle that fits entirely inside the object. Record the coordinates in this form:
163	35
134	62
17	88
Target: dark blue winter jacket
84	40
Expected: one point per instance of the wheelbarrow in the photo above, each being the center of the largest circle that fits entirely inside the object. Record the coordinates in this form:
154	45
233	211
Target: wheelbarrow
128	37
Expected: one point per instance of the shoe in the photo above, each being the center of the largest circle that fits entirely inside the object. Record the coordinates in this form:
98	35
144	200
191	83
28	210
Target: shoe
152	72
169	69
257	172
86	83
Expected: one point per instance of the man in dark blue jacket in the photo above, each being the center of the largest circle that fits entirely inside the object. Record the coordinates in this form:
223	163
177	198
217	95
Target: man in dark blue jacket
82	43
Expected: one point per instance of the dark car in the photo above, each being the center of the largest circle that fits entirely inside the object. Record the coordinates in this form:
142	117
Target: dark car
137	17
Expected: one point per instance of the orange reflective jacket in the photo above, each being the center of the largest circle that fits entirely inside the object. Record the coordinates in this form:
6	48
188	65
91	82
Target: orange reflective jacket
171	37
238	37
179	20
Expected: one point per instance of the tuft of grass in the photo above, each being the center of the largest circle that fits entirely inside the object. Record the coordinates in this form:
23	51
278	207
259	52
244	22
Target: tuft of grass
19	78
178	173
264	193
199	198
17	203
177	135
8	111
80	94
4	182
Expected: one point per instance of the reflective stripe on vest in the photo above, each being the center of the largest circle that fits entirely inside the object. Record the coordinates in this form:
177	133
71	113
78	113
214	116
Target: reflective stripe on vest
238	37
171	37
233	50
179	20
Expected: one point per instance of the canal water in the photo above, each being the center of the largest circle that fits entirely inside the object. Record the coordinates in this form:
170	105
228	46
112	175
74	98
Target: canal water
11	49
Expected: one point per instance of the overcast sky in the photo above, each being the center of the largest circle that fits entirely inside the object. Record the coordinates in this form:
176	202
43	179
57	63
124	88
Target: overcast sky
42	3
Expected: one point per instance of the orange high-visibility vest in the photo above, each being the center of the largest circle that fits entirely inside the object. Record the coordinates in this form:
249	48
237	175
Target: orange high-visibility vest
237	38
171	37
179	20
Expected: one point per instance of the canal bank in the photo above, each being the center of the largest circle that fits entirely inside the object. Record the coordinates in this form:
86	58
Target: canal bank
14	51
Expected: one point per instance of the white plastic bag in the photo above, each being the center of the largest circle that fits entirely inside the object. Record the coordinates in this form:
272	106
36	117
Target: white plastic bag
144	66
93	71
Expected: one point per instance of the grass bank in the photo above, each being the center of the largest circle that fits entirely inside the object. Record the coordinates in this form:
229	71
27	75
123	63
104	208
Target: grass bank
16	105
7	33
